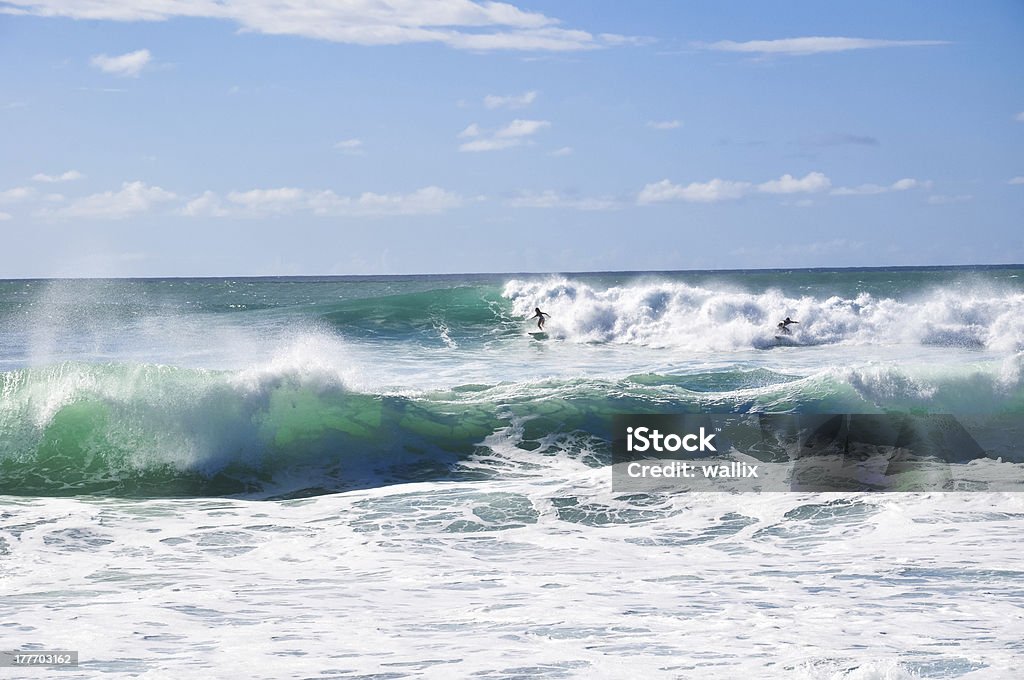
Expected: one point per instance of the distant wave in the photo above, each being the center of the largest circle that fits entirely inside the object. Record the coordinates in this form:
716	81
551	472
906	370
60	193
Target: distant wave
673	314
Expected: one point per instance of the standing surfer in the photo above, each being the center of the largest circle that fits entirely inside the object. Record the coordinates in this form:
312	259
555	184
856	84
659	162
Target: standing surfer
539	315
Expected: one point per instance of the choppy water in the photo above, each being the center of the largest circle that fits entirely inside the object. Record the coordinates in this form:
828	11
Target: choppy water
389	477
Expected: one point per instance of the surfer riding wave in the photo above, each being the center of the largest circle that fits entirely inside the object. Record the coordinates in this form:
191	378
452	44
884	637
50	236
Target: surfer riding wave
783	325
539	315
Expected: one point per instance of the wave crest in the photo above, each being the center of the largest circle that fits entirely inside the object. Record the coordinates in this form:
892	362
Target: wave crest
672	314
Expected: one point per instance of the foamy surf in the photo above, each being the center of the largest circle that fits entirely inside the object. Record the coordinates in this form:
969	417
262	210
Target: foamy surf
699	318
268	458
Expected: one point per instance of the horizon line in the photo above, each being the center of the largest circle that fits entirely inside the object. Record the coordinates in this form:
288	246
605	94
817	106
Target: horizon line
516	273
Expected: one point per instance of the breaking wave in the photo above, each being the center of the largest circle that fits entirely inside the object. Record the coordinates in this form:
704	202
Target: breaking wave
297	425
675	314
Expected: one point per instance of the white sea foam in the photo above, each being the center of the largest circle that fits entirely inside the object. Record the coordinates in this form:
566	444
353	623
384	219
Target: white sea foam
523	577
675	314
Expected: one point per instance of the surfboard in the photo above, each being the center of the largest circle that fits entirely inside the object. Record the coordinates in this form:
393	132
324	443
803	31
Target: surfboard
538	335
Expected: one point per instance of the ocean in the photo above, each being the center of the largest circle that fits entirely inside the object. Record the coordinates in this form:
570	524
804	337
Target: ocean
393	477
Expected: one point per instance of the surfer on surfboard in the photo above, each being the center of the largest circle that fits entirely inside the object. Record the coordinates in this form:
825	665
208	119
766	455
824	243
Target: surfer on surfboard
784	325
539	316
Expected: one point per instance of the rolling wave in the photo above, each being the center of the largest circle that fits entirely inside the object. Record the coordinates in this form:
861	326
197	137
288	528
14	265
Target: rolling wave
297	427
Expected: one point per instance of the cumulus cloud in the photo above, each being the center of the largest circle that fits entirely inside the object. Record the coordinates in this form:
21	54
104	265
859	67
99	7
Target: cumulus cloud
493	101
695	192
1019	117
4	216
664	124
124	65
554	199
787	184
16	194
514	134
811	45
522	128
562	151
208	204
1016	180
717	190
904	184
134	198
461	24
256	203
68	176
489	144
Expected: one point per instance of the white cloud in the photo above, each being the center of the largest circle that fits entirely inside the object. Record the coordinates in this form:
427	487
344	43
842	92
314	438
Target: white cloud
563	151
134	198
522	128
696	192
206	205
68	176
256	203
513	134
553	199
635	40
787	184
16	194
1019	117
489	144
904	184
425	201
461	24
130	64
910	183
493	101
664	124
862	190
4	216
269	201
812	45
717	190
1016	180
352	147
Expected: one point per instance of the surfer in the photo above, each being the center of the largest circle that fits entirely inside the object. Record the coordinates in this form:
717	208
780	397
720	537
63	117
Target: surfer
784	325
539	316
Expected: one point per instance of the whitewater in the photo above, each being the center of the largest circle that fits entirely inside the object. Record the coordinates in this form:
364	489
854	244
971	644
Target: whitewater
390	477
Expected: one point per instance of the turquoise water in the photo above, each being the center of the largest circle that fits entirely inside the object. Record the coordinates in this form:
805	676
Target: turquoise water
279	387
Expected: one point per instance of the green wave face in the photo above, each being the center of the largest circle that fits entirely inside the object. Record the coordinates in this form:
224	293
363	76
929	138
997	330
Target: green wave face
466	312
145	430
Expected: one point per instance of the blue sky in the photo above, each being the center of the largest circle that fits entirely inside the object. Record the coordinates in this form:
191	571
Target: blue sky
174	137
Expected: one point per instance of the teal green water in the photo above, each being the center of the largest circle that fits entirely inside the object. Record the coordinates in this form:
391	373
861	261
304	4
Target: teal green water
304	386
